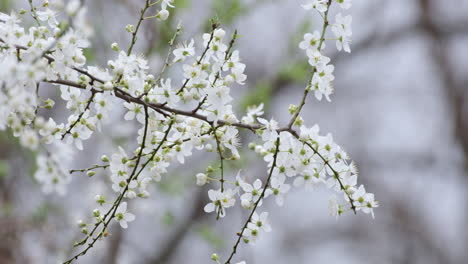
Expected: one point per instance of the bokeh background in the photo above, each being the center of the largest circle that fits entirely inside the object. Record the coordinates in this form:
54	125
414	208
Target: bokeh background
400	109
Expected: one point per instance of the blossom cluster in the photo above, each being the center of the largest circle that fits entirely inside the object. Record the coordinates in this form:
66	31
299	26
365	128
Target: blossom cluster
174	117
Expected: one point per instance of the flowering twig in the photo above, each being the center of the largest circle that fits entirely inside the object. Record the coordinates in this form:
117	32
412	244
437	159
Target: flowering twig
88	104
221	161
140	20
158	105
33	12
111	213
226	58
213	28
314	69
121	94
265	187
90	169
171	47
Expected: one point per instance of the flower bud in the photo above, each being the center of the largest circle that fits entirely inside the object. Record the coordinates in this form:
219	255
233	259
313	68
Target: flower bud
293	109
202	178
100	199
162	15
115	46
299	121
49	103
81	223
104	158
129	28
214	257
96	213
209	169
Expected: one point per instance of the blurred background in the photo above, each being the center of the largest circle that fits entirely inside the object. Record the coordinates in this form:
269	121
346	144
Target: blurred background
400	109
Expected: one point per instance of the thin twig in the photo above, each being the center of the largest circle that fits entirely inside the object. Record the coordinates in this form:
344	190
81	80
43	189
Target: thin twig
314	69
88	104
262	194
140	20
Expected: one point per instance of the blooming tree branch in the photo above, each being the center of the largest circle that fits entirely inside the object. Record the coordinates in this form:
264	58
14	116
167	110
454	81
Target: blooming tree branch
167	131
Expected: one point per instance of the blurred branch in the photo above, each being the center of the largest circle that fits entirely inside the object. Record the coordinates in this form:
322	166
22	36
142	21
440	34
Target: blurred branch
171	245
114	245
455	92
454	89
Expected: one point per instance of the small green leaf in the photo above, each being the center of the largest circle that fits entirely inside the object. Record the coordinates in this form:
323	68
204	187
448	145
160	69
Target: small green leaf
4	168
262	93
168	218
210	236
297	72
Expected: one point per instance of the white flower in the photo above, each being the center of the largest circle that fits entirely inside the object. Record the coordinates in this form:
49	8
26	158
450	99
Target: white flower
49	16
325	71
321	87
237	75
119	168
345	176
309	133
345	4
252	113
251	233
239	181
166	3
122	216
270	133
73	7
364	201
342	39
220	201
165	94
342	31
194	72
334	207
29	139
279	189
72	96
252	193
311	41
183	150
143	185
261	221
50	131
216	45
50	175
316	58
234	63
230	139
184	51
308	180
82	130
134	110
319	5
